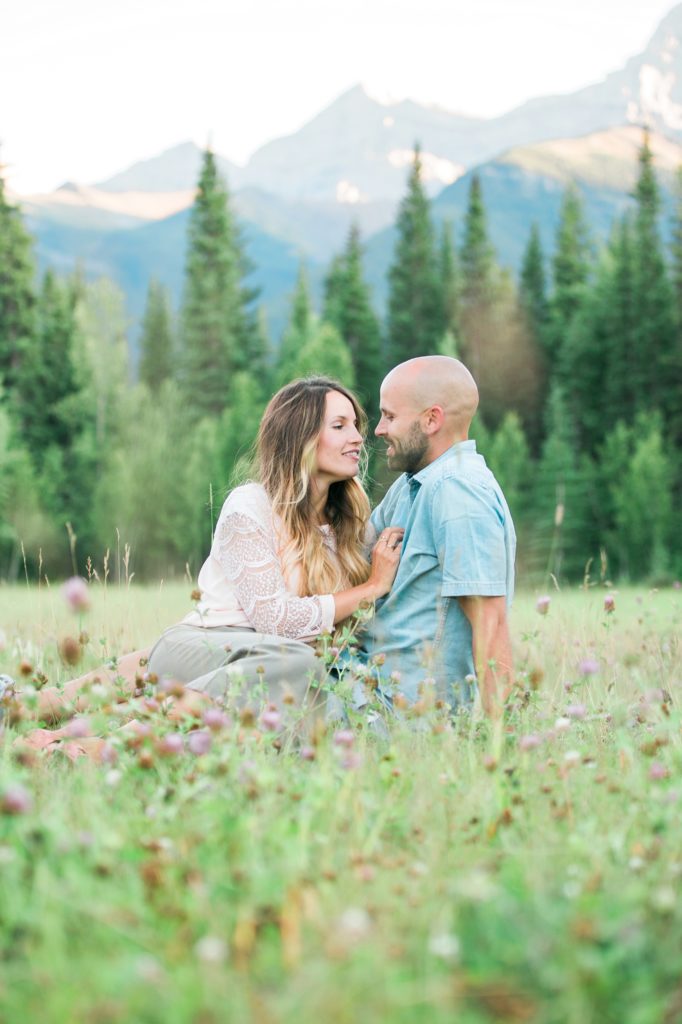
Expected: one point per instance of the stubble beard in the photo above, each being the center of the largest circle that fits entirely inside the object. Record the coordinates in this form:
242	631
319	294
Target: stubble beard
408	455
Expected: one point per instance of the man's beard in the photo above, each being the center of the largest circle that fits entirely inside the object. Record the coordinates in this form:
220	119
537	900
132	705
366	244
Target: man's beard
408	455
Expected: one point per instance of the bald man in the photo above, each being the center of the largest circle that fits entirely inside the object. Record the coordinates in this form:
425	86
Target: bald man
445	618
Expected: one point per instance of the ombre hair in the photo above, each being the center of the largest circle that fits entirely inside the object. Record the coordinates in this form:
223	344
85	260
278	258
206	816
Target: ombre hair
285	457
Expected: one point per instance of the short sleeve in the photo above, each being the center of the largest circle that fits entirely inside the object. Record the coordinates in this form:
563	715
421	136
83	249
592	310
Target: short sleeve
470	532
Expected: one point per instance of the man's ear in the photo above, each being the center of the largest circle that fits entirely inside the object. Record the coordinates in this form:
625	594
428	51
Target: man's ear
433	419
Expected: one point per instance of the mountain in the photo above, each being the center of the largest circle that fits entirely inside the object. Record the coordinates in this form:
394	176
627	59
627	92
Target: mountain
174	170
157	248
298	195
528	183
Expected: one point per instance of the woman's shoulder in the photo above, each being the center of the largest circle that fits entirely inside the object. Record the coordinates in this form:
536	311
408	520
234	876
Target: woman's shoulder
248	499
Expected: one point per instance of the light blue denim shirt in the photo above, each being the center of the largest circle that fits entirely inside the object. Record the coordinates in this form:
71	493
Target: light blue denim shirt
459	542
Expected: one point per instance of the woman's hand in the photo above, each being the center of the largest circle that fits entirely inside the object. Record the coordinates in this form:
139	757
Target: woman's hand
385	559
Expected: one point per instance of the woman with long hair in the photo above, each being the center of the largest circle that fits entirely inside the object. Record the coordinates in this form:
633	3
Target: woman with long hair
287	564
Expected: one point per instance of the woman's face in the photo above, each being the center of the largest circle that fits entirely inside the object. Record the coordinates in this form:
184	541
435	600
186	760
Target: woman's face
339	443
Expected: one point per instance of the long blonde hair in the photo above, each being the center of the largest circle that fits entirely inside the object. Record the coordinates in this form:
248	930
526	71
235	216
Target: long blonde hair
285	455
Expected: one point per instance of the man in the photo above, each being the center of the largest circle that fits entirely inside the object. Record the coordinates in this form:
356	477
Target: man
445	618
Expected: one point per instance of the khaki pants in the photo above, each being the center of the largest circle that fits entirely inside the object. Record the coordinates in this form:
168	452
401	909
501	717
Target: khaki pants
241	665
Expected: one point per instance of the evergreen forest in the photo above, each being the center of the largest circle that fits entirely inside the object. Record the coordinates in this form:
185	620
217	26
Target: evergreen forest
109	469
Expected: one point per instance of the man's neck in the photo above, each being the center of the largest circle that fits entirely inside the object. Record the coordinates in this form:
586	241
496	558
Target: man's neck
441	446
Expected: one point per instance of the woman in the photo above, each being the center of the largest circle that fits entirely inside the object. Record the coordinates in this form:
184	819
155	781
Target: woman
286	565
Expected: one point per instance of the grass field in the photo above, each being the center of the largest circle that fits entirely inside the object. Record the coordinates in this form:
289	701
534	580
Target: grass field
451	873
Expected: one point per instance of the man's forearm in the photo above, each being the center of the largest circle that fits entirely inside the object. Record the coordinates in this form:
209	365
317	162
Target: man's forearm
494	667
491	650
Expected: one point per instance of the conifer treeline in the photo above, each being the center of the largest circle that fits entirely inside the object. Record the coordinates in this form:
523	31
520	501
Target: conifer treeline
579	365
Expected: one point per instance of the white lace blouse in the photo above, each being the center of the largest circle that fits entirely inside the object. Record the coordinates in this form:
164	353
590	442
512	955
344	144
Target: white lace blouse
246	580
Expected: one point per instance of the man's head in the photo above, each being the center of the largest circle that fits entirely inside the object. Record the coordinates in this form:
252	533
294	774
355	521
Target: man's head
427	404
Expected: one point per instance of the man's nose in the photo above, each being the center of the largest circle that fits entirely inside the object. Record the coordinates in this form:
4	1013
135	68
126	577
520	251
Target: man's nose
380	429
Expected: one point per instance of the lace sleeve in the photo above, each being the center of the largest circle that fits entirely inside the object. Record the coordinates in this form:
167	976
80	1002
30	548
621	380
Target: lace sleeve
250	563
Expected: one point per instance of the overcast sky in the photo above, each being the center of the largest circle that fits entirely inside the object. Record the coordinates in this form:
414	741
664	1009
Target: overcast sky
87	88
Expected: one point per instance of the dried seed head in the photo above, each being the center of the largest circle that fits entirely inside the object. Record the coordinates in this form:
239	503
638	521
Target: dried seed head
70	650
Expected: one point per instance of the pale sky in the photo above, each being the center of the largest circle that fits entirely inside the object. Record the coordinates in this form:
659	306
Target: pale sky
87	87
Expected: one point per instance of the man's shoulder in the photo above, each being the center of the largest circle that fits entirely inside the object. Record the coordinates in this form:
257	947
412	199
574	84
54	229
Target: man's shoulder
466	491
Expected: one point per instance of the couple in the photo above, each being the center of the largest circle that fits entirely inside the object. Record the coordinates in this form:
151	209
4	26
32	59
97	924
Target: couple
289	561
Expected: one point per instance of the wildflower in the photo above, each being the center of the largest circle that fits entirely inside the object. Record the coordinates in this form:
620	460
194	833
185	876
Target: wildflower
351	760
108	754
530	742
271	719
199	742
588	667
15	800
150	970
76	594
445	946
344	738
170	744
211	950
571	757
354	923
307	753
542	604
658	771
664	899
395	677
215	719
171	687
609	603
576	711
562	724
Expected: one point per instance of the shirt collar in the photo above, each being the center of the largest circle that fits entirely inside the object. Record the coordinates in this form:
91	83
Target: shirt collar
456	449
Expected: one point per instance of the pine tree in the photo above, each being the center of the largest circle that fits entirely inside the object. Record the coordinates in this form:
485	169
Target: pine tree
450	283
509	458
581	366
157	355
298	331
47	377
644	525
656	363
348	307
571	270
533	282
618	399
676	247
325	354
217	327
415	305
476	254
479	292
239	428
17	297
563	535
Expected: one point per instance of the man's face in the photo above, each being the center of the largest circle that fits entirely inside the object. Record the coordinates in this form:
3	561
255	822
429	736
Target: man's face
400	427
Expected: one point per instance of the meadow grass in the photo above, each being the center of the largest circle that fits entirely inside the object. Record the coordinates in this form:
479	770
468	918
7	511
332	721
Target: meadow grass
450	873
